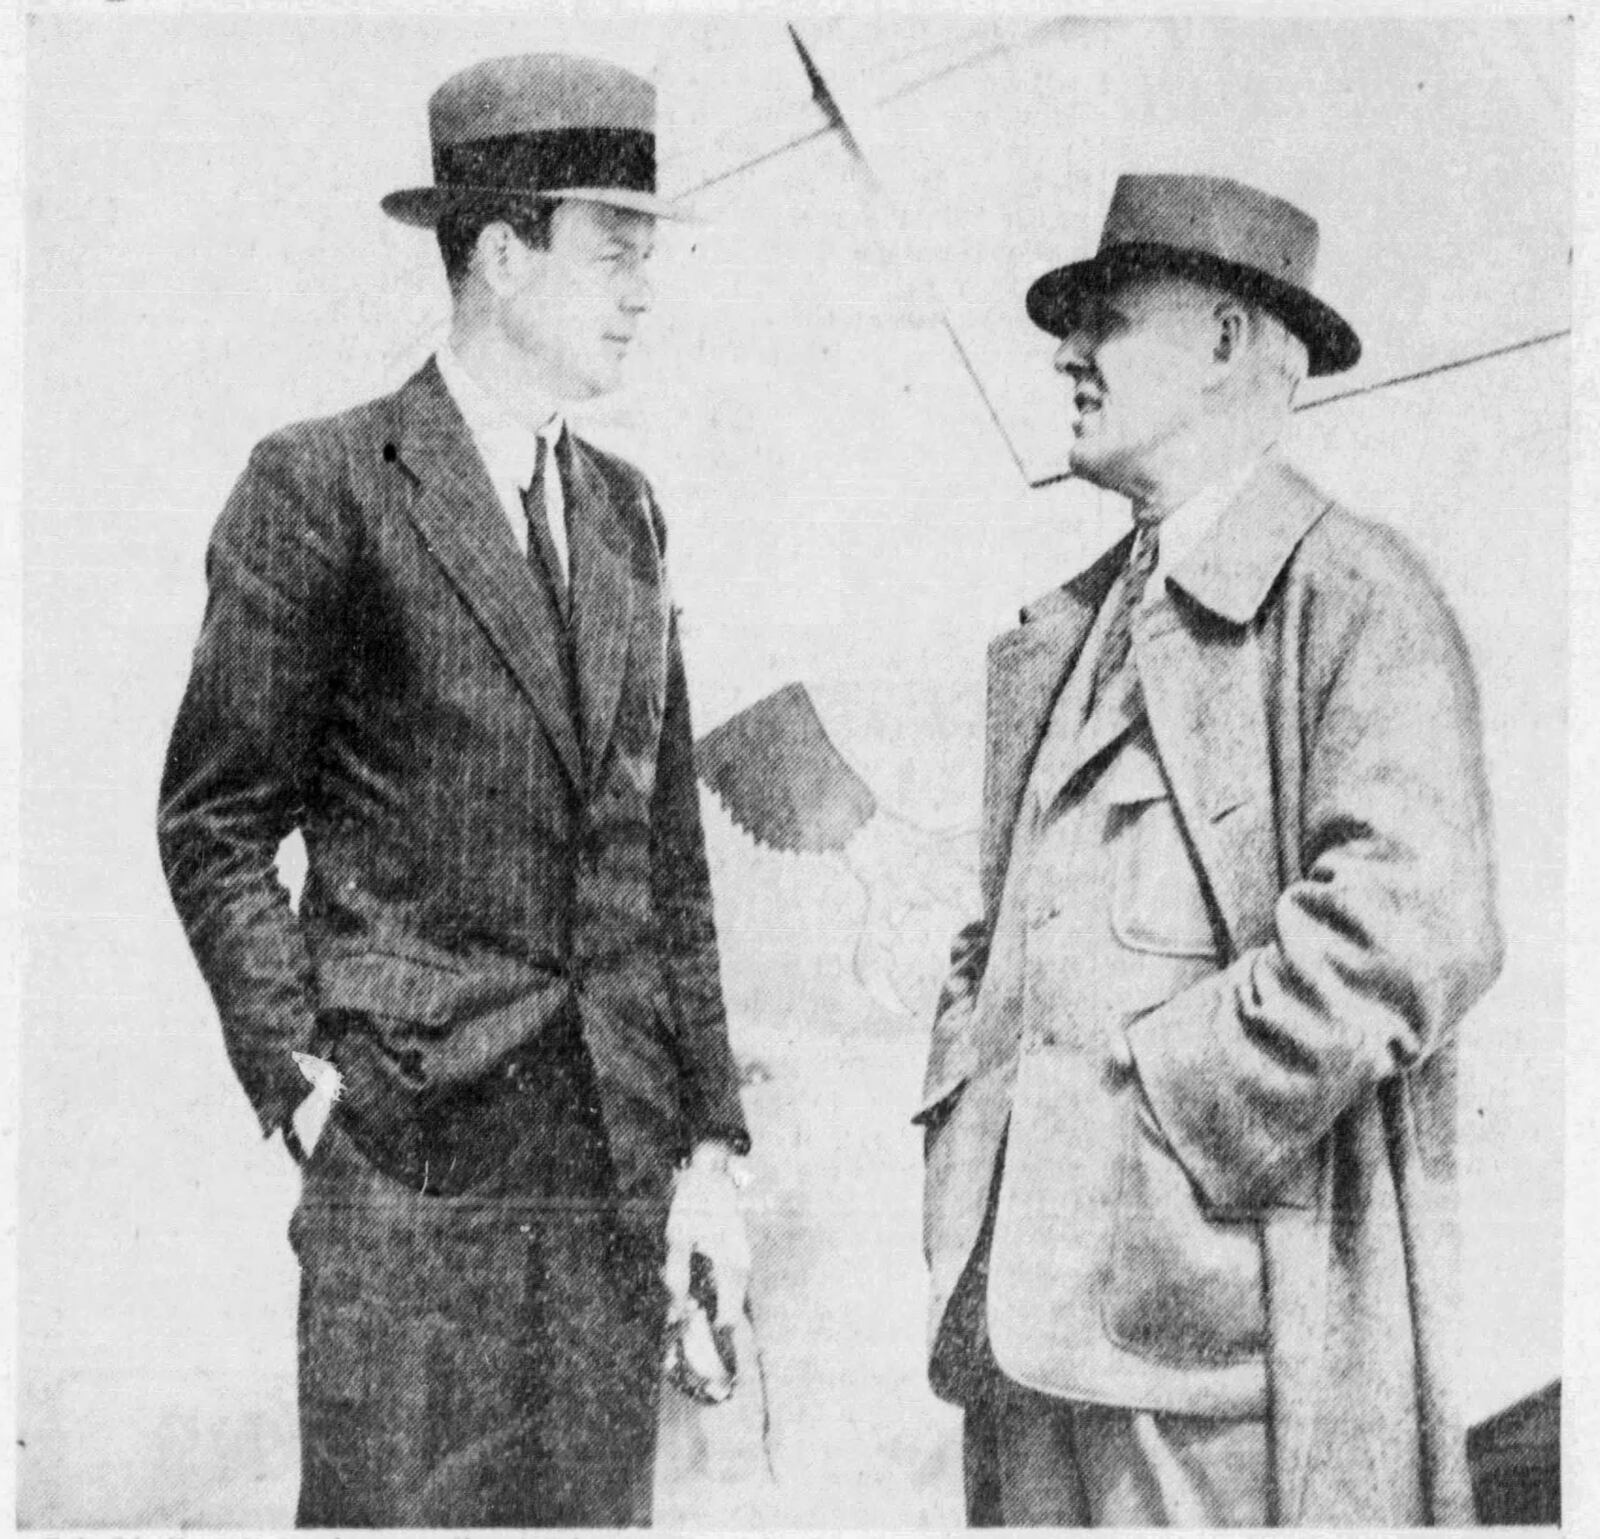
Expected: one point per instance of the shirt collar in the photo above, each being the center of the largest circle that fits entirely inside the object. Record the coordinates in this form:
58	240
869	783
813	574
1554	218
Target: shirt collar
509	449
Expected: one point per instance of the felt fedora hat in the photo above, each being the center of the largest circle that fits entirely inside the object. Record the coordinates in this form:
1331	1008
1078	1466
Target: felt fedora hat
546	125
1214	230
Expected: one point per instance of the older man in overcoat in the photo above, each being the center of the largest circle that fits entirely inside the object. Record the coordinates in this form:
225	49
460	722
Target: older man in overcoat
439	643
1190	1106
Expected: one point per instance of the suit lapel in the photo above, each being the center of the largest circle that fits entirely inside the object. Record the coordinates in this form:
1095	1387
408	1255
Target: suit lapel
455	509
602	600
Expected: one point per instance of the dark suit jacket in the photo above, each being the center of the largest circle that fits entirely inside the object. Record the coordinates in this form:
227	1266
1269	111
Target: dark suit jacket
499	824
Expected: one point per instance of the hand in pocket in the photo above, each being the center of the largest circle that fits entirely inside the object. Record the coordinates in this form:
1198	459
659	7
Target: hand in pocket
1185	1288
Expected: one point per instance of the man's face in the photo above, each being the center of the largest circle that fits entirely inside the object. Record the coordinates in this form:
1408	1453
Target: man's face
1137	357
576	307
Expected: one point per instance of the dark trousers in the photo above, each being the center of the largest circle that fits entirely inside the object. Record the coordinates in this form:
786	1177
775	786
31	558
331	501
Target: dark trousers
489	1358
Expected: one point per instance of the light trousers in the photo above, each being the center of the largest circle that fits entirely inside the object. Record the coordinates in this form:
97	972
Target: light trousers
1032	1460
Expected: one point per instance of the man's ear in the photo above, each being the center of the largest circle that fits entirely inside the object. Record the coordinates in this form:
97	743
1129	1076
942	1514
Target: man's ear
1231	329
1229	339
501	257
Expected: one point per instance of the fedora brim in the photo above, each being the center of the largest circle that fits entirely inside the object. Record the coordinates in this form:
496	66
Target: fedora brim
423	206
1055	298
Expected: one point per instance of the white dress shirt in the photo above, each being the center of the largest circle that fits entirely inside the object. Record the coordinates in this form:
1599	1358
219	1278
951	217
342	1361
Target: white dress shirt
509	451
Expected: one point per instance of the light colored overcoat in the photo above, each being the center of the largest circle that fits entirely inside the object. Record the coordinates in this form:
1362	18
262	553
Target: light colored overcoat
1314	707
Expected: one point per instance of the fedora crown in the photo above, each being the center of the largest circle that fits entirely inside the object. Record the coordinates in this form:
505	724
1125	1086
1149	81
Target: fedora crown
539	93
1214	230
1216	216
547	125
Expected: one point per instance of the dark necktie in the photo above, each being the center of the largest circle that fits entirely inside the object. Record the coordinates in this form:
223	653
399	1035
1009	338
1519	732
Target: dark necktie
541	544
1118	640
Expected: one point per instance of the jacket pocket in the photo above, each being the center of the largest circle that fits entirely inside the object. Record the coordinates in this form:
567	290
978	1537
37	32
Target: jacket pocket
1184	1288
1158	900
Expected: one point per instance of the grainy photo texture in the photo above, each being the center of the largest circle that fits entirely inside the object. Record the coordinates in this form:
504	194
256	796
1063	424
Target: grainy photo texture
793	772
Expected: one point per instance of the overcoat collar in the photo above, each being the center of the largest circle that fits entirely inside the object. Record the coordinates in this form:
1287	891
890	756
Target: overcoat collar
1201	683
1232	570
456	511
1233	567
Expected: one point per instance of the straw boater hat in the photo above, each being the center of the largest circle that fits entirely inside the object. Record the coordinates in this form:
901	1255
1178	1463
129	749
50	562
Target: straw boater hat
546	125
1214	230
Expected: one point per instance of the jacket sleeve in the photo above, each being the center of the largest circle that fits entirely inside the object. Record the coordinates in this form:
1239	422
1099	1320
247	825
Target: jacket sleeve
243	753
1382	943
950	1047
681	885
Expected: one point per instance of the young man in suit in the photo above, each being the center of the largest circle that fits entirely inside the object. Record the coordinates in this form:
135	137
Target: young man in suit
439	643
1189	1112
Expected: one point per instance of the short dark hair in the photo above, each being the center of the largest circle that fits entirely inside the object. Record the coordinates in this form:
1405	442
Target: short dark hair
470	214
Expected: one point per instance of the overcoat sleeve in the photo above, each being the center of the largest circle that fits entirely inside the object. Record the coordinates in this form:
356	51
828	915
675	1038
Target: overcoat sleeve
681	884
242	756
1386	934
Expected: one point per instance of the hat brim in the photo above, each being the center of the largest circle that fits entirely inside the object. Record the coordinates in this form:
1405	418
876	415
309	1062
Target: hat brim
1055	298
423	206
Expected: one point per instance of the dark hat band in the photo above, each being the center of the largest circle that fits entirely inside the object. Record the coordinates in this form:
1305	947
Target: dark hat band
1054	299
619	158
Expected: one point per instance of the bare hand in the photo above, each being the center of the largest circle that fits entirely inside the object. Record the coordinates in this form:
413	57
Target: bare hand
311	1115
705	1217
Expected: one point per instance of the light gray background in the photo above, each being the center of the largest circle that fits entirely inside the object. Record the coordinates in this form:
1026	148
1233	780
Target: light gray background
206	260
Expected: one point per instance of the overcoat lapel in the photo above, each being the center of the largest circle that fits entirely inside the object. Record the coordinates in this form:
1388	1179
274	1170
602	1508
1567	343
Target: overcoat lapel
454	506
602	602
1201	670
1113	715
1027	667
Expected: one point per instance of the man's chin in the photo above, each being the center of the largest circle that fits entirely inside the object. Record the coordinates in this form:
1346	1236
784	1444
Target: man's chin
593	378
591	388
1086	465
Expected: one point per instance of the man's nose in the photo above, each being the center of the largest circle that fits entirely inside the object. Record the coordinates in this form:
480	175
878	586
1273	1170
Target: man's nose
640	294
